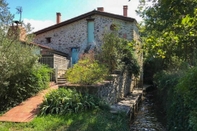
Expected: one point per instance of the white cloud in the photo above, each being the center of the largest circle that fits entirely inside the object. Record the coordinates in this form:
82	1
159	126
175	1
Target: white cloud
38	24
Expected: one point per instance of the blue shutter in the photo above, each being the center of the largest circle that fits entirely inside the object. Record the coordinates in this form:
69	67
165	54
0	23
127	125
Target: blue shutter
90	31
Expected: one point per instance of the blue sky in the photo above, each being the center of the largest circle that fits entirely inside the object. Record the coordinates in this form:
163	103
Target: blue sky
42	13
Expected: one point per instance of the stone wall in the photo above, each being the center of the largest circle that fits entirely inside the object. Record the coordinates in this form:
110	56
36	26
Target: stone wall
103	26
116	89
66	37
75	34
110	91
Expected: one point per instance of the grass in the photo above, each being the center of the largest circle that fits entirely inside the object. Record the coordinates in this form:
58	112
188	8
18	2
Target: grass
96	120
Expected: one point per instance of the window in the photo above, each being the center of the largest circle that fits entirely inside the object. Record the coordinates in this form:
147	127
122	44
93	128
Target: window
48	39
113	27
90	30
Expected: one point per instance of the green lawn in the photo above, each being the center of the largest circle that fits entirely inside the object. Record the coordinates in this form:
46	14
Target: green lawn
97	120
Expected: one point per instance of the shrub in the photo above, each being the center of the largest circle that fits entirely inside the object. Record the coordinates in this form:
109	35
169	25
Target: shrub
86	71
177	112
23	85
64	101
187	88
41	73
150	67
118	54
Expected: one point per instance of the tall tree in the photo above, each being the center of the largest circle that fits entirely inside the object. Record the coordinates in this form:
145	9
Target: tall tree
14	56
21	76
170	29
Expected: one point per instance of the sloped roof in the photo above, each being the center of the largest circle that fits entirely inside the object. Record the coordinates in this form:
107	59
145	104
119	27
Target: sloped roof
86	15
50	49
45	47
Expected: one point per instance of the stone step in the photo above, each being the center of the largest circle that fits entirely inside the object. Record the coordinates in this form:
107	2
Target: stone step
61	80
116	108
129	104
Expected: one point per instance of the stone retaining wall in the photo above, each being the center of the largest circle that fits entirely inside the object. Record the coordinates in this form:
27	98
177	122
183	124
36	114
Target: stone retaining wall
110	91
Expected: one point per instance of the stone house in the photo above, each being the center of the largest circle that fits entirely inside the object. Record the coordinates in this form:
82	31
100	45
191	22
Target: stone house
85	32
62	44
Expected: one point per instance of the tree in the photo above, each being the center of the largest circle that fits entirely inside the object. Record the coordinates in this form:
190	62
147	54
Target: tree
14	56
20	74
170	35
170	29
119	54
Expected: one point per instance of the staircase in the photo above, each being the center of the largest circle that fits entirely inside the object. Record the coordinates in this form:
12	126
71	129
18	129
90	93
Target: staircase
61	79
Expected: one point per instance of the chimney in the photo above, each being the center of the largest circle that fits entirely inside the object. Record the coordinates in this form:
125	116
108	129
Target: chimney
17	32
58	15
101	9
125	8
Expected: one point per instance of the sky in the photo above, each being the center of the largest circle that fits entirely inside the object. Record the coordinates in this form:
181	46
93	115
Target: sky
42	13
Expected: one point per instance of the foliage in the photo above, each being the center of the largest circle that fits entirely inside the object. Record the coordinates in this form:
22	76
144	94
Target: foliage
23	85
177	112
5	17
15	58
169	33
150	68
21	76
170	30
118	54
165	81
64	101
86	71
187	88
42	77
94	120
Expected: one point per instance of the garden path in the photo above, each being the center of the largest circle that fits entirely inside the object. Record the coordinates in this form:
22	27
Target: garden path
27	110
